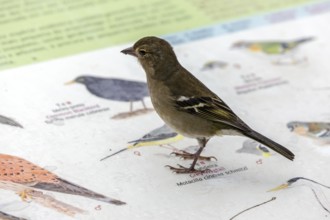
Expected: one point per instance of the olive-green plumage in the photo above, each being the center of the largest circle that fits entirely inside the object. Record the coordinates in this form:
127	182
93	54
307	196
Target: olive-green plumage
185	103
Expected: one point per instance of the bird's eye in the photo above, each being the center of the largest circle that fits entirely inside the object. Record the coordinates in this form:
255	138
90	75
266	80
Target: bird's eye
142	52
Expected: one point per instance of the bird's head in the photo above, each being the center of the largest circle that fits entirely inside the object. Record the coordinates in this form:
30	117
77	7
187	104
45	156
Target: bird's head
298	127
302	182
239	45
155	55
79	79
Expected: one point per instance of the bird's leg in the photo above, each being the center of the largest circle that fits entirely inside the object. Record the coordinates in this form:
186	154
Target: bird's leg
169	146
144	104
201	143
25	195
189	156
130	106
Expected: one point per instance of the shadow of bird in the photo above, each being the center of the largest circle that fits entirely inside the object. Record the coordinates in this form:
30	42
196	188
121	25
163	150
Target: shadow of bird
117	90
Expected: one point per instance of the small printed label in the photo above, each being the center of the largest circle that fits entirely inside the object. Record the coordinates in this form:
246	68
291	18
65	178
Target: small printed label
253	83
67	110
211	172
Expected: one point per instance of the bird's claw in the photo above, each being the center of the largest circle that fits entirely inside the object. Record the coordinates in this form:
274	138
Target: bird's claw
189	156
184	170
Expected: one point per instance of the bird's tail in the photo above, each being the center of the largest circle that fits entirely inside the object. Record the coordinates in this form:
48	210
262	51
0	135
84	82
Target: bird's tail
304	40
9	121
70	188
271	144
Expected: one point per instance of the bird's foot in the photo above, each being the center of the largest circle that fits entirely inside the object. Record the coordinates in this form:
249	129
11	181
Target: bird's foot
25	195
184	170
189	156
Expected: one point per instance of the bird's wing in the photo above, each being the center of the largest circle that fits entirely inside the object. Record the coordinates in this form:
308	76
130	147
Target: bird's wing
324	133
119	89
212	109
272	47
21	171
319	129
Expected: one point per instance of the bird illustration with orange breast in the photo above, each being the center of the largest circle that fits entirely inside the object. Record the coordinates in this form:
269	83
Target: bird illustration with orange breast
22	176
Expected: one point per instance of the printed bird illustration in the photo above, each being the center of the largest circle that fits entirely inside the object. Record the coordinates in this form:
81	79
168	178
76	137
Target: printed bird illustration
319	131
315	186
254	147
161	136
22	176
5	216
186	104
273	47
214	64
9	121
117	90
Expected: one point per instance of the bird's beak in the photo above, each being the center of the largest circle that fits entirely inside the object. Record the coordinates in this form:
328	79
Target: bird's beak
290	127
70	82
129	51
283	186
114	153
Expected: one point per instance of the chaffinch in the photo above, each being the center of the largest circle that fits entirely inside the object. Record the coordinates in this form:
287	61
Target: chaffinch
186	104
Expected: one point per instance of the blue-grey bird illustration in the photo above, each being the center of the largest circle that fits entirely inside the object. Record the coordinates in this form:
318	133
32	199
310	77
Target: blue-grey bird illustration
9	121
315	186
316	130
5	216
254	147
163	135
115	89
275	47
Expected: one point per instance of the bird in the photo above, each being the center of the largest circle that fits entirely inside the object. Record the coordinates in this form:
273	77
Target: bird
5	216
161	136
185	103
9	121
115	89
21	175
253	147
272	47
214	64
315	130
312	184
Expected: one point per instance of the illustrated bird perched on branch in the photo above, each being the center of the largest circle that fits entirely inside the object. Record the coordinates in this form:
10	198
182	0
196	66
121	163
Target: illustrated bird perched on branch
273	47
186	104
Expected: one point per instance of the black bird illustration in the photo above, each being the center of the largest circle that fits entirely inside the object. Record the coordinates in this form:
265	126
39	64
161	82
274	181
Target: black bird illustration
9	121
115	89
